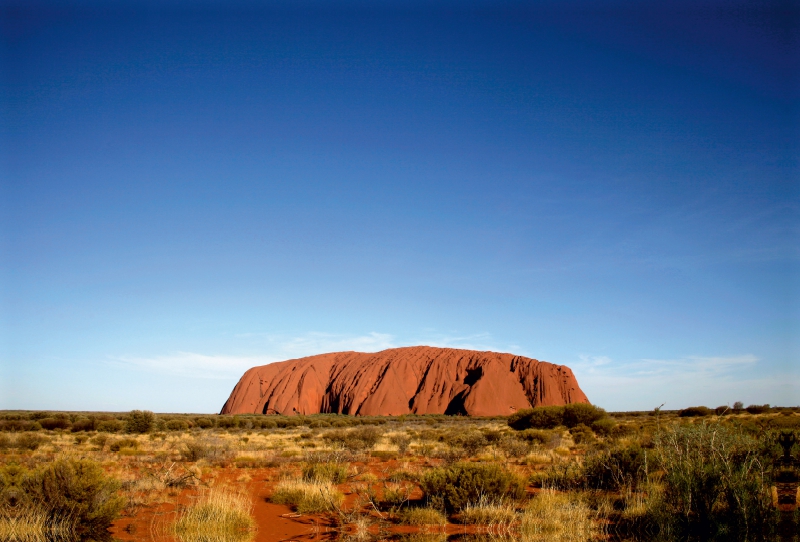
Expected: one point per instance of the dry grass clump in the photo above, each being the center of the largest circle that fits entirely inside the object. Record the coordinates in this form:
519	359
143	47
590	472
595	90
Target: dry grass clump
308	497
559	516
488	512
25	524
218	515
423	516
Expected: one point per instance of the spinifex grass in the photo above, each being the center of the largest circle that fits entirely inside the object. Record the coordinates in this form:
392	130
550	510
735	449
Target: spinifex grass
217	515
31	525
558	516
308	497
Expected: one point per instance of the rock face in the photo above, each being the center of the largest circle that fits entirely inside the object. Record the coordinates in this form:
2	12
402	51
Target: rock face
418	380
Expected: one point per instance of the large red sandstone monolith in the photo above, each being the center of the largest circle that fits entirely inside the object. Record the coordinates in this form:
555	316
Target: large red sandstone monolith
418	380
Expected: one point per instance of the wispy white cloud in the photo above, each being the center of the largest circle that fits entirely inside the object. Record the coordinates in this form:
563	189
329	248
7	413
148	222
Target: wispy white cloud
195	365
274	348
690	380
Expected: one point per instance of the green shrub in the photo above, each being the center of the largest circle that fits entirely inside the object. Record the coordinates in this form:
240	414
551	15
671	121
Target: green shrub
55	423
581	413
335	473
537	418
694	411
211	449
604	426
204	423
536	436
550	417
177	425
357	439
615	469
582	434
29	441
722	410
140	421
118	445
110	426
460	484
84	424
715	480
74	488
758	409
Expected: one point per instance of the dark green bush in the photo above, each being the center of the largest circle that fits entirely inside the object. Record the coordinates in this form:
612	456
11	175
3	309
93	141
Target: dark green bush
536	436
74	488
694	411
83	424
604	426
615	469
19	425
581	413
357	439
722	410
758	409
29	441
460	484
715	480
55	423
110	426
117	445
177	425
553	416
537	418
582	434
204	423
140	421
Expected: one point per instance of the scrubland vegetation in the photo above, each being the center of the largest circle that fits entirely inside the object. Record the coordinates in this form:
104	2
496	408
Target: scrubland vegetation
555	473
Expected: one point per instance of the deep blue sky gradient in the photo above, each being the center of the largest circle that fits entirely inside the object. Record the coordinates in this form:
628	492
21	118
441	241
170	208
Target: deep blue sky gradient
191	190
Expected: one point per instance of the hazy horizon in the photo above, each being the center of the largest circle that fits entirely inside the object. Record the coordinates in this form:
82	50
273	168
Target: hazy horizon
191	190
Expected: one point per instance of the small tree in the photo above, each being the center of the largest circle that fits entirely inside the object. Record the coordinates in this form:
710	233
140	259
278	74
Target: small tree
140	421
738	405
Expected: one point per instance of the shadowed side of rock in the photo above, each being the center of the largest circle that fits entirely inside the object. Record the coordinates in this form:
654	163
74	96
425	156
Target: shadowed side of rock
418	380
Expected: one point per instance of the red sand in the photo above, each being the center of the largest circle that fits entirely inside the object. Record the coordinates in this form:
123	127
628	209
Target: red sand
418	380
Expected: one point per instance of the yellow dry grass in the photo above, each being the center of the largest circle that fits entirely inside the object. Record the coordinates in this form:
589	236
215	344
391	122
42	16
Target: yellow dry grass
220	516
559	517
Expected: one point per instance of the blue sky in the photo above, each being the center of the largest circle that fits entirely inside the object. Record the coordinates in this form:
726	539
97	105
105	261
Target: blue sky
191	189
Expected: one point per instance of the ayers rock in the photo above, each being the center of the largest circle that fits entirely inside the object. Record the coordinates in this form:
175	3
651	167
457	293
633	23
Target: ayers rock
418	380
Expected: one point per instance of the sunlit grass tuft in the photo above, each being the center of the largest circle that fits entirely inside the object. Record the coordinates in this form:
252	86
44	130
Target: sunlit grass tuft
220	516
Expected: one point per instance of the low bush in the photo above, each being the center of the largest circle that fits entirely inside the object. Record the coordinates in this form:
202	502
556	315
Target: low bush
110	426
73	488
335	473
695	411
84	424
723	410
715	481
582	434
29	441
550	417
604	426
456	486
55	423
140	421
758	409
615	469
536	436
129	443
177	425
210	449
204	423
357	439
